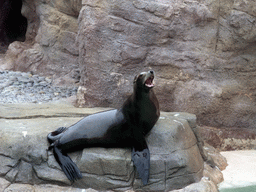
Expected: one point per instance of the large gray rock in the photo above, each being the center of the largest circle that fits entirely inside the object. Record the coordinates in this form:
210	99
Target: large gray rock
38	188
176	160
202	52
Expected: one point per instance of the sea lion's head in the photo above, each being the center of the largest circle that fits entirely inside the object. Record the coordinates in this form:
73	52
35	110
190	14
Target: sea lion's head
144	80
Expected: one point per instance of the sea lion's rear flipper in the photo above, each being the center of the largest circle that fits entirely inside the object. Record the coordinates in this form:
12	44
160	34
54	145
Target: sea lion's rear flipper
141	160
55	135
67	165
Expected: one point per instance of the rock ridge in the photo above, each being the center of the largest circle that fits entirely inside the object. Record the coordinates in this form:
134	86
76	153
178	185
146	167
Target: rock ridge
25	158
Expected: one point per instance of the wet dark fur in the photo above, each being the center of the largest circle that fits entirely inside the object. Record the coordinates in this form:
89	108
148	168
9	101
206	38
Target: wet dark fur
122	128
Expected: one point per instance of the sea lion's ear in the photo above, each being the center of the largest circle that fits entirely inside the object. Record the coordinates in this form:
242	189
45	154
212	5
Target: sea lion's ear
135	78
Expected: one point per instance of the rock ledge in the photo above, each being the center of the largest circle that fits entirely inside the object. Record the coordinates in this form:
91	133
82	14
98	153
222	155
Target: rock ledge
176	161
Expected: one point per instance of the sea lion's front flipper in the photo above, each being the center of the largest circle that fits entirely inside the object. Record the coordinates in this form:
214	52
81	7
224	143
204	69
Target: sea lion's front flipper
141	160
67	165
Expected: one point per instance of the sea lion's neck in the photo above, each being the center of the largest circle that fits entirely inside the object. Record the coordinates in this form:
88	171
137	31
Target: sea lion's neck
139	94
137	99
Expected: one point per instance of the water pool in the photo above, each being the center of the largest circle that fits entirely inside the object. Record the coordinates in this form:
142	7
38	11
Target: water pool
240	189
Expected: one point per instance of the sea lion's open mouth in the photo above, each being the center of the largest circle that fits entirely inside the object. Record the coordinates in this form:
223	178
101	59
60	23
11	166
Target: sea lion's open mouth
149	82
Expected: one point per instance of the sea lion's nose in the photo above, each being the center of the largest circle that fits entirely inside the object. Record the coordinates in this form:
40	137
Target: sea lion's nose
152	72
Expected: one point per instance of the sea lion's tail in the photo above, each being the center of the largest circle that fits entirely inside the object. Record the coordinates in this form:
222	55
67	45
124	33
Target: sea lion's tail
55	135
67	165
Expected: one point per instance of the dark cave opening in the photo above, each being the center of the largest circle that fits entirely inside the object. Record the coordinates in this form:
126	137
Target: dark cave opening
13	25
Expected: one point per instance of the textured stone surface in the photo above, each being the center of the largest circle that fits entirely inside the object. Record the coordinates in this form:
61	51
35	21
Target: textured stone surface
4	184
175	157
50	47
202	52
39	188
203	186
229	139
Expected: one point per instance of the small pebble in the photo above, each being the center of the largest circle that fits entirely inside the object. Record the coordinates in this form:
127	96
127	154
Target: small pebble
20	87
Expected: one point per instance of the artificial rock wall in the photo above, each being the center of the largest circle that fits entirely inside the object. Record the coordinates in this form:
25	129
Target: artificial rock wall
203	53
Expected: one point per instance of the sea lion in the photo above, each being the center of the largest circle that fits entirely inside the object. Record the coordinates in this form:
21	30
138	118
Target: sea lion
121	128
